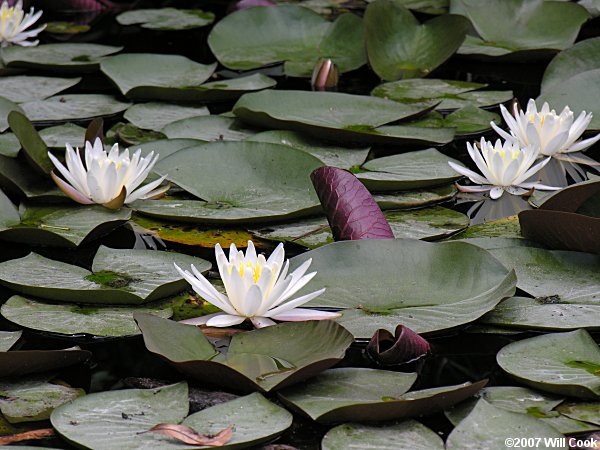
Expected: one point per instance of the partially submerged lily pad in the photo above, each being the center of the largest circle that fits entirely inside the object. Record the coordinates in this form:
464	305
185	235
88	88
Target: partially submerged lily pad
63	57
453	94
255	360
73	107
167	18
33	398
67	319
26	88
412	170
358	394
427	287
118	277
208	128
407	435
8	339
295	35
561	363
17	178
22	362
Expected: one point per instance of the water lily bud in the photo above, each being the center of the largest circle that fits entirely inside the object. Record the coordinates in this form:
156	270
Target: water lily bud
325	76
245	4
402	347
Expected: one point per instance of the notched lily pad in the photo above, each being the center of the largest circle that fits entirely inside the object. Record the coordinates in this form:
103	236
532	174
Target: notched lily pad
255	360
366	395
118	277
561	363
427	287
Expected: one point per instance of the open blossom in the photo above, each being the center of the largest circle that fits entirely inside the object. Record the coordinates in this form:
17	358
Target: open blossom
107	179
14	22
504	167
552	133
258	289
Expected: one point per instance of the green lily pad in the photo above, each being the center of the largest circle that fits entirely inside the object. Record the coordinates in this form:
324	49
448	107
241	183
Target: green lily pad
255	420
417	198
77	320
227	90
433	7
128	134
546	313
208	128
412	170
63	57
9	145
330	155
563	277
358	394
126	415
33	398
26	88
452	93
23	362
507	227
8	339
16	177
586	412
166	147
488	428
6	107
66	28
427	287
58	136
536	17
9	215
337	116
154	115
118	277
64	226
389	26
466	120
271	182
407	435
524	401
167	18
255	360
150	75
82	107
428	224
561	363
295	35
33	146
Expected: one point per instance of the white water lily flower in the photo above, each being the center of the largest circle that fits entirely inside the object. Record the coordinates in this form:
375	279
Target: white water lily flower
554	134
258	289
107	179
14	22
505	167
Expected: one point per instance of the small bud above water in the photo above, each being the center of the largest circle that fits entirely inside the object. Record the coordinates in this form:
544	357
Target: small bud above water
325	76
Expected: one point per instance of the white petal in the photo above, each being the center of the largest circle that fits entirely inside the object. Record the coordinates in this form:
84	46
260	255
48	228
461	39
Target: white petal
261	322
294	303
200	320
224	320
496	192
301	314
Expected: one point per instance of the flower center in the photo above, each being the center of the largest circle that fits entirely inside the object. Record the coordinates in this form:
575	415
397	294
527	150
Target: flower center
255	268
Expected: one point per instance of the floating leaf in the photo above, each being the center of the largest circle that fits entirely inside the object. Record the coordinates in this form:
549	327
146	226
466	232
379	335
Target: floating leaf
536	17
33	398
31	142
412	170
128	276
587	412
63	57
188	435
351	211
8	339
427	287
295	35
466	120
26	88
407	435
388	28
60	135
488	428
6	107
154	115
63	108
561	363
22	362
366	395
167	18
208	128
453	94
77	320
255	360
27	436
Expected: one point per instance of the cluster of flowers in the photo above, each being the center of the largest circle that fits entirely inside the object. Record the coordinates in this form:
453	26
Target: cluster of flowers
511	165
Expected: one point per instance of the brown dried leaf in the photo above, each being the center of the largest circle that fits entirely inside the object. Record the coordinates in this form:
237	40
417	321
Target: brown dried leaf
188	435
28	435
